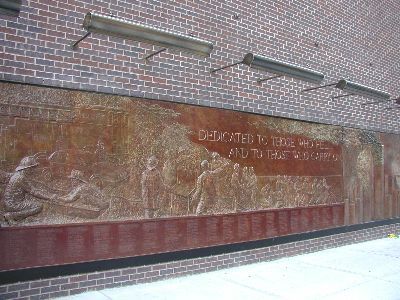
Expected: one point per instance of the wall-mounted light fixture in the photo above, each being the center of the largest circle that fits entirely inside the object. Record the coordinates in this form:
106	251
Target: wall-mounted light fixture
281	68
10	7
355	89
277	67
107	25
361	90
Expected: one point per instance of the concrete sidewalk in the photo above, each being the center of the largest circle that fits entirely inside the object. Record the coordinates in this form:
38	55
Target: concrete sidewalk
369	270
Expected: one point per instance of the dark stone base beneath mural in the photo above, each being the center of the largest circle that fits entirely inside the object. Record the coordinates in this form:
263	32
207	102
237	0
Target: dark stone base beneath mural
78	278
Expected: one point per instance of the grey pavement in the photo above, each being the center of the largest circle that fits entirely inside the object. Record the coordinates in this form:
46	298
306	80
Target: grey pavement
369	270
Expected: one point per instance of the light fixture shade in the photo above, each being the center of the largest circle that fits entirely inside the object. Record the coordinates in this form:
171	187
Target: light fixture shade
10	7
96	23
361	90
282	68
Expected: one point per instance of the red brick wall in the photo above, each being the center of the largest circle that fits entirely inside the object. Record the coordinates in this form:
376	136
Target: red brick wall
71	285
354	39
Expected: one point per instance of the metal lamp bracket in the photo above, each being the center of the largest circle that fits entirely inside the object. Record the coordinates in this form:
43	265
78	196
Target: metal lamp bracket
318	87
276	67
341	96
355	89
75	45
225	67
380	101
147	57
261	80
393	107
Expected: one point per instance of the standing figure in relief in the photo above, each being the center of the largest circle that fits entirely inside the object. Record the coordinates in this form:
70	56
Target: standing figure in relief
152	188
246	194
236	188
253	189
100	152
20	194
169	174
219	184
205	190
216	161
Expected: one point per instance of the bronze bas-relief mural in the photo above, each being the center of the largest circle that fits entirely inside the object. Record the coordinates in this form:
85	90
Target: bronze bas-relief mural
87	176
72	157
370	175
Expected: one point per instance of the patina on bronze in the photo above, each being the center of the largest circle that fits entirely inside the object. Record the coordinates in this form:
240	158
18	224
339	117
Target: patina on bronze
87	176
105	158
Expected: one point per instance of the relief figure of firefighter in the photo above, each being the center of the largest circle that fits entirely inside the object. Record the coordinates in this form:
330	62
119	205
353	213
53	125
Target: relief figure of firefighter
85	194
169	174
152	188
253	187
205	194
236	187
21	195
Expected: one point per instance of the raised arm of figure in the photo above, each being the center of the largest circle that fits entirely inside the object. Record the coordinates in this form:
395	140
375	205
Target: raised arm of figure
71	196
38	192
220	169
